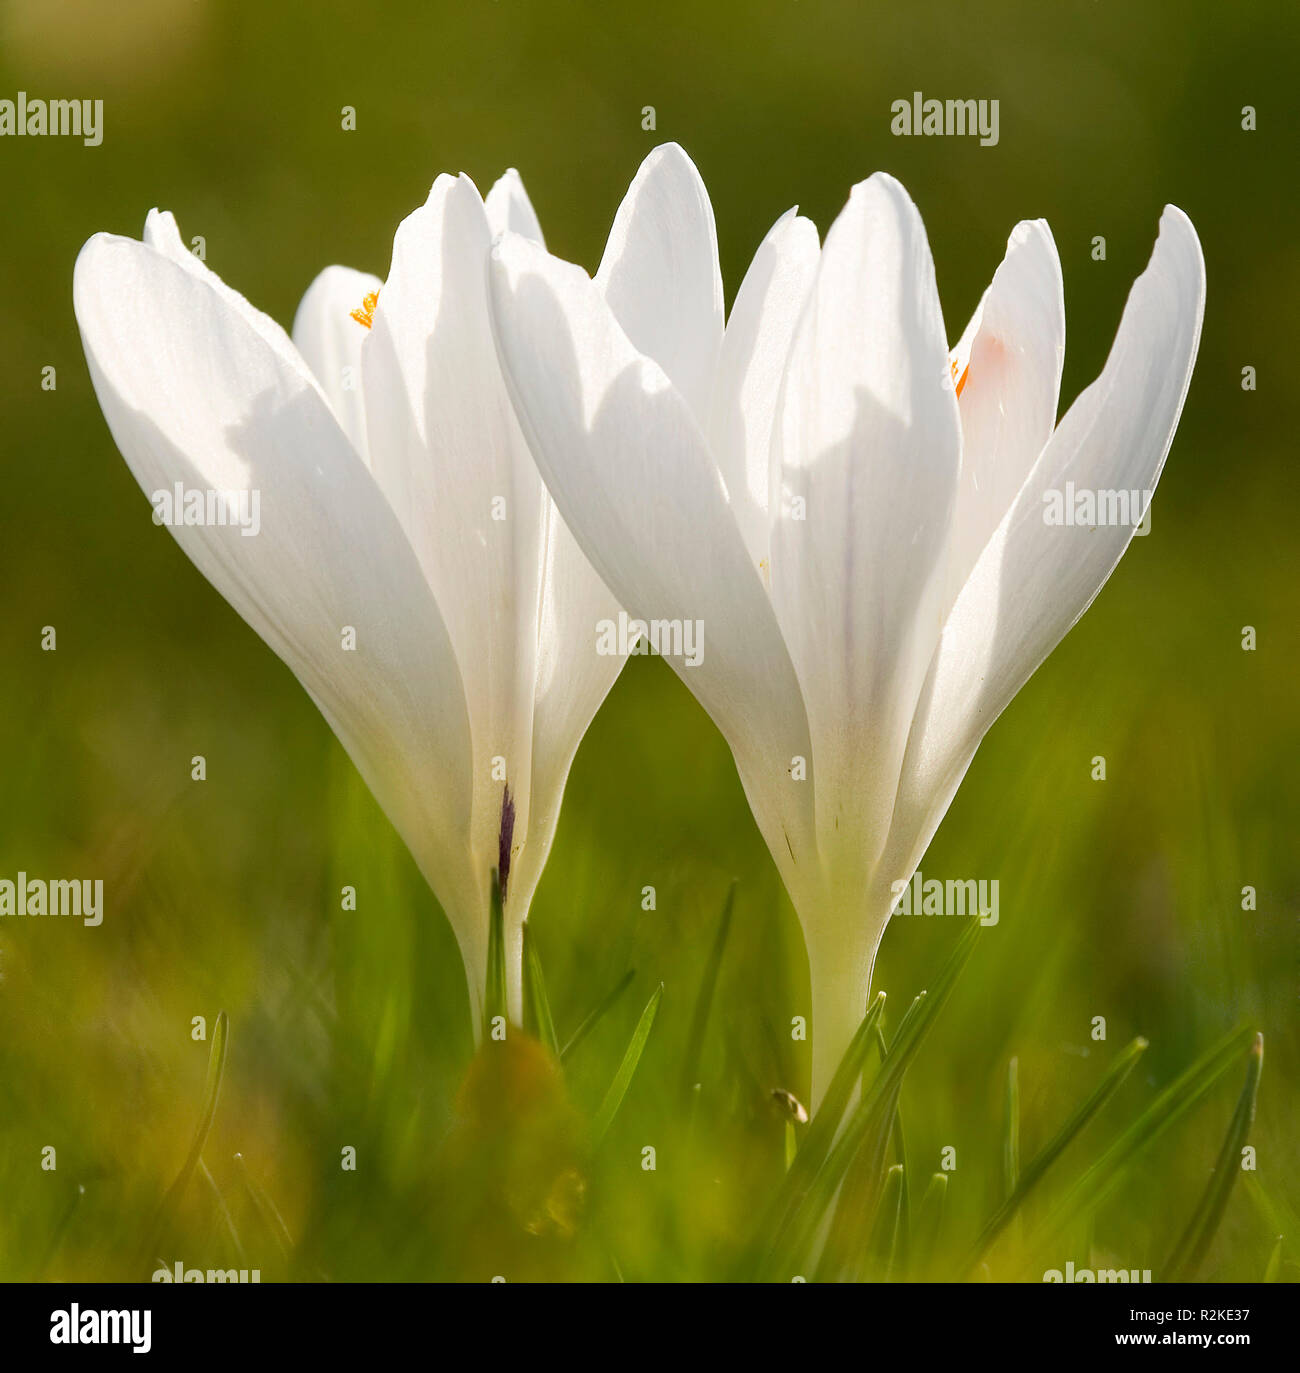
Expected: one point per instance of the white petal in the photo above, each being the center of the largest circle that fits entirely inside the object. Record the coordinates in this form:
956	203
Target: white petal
447	450
660	273
510	210
1035	580
630	472
194	393
755	349
868	436
330	340
1008	373
161	233
573	680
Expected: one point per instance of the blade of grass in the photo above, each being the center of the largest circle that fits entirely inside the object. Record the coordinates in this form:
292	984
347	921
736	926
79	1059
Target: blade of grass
1274	1266
1185	1092
885	1241
821	1132
798	1232
61	1229
537	1006
740	1076
211	1094
845	1081
1189	1253
597	1013
1047	1156
623	1078
929	1225
904	1256
704	1001
906	1042
864	1191
900	1157
1280	1219
223	1210
207	1113
266	1209
777	1058
1011	1130
848	1253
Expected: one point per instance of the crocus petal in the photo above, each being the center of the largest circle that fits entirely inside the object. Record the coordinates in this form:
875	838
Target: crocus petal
633	479
572	677
755	349
870	443
162	233
573	680
194	392
1007	370
509	209
330	338
1034	580
661	277
448	452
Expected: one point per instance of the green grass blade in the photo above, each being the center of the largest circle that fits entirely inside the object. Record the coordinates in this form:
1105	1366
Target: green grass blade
910	1034
900	1157
844	1083
903	1258
1277	1215
1189	1252
867	1198
929	1226
232	1230
1011	1130
821	1132
267	1211
870	1122
61	1229
885	1249
597	1013
211	1094
1176	1101
904	1205
537	1006
1279	1219
1047	1156
704	1001
623	1078
494	994
207	1113
851	1251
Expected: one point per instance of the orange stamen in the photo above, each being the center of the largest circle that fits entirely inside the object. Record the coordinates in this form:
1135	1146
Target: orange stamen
366	314
961	381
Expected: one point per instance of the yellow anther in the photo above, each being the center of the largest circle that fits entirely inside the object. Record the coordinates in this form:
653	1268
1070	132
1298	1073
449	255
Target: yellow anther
366	314
961	381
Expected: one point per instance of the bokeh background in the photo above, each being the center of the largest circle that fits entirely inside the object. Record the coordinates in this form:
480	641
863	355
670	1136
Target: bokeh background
1119	899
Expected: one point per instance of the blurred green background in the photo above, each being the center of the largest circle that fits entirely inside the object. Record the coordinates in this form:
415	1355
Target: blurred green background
1119	899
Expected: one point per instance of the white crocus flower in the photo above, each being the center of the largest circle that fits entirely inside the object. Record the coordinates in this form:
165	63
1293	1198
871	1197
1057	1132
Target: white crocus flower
854	512
409	568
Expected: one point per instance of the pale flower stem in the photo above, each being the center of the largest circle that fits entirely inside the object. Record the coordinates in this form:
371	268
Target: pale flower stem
476	969
841	980
514	951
